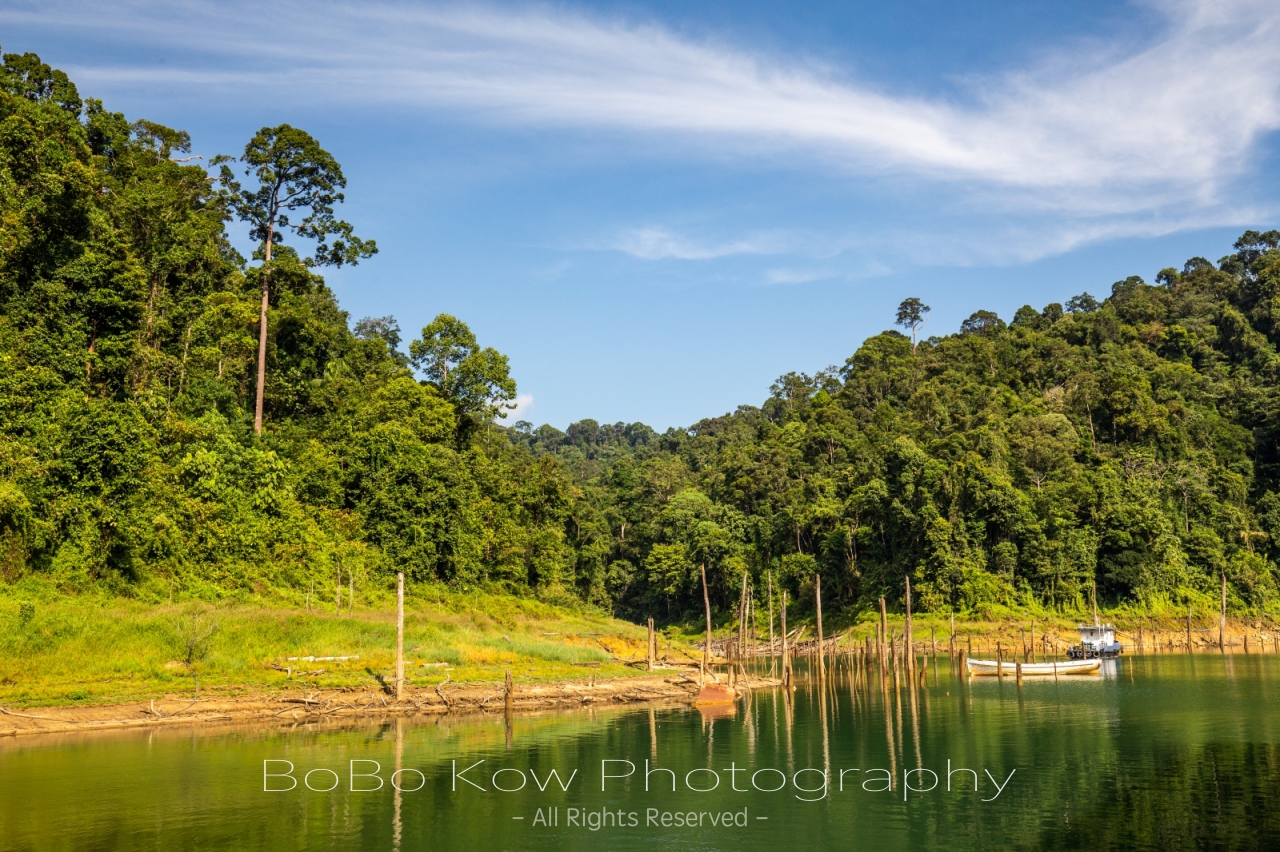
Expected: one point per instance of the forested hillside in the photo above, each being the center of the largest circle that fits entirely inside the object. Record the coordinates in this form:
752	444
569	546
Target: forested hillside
1129	443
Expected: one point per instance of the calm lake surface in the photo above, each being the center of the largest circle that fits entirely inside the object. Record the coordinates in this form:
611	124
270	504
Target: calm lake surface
1161	753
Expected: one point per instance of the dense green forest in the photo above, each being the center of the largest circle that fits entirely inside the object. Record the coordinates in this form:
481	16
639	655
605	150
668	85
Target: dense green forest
1130	443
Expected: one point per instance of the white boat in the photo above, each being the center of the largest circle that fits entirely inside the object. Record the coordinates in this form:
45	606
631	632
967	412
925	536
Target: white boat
1010	669
1096	640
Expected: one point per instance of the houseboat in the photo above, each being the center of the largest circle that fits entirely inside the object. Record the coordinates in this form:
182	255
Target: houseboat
1096	640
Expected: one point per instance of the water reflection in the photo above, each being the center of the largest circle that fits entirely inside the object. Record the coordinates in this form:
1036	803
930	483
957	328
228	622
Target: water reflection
1159	752
397	826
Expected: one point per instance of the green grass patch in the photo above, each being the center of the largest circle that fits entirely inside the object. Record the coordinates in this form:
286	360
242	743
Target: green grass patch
59	651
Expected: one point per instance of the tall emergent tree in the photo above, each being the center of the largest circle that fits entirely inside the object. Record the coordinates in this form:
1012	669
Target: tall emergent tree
293	174
911	315
477	381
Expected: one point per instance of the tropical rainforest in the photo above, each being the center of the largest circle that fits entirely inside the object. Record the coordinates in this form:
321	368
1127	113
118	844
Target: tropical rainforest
179	420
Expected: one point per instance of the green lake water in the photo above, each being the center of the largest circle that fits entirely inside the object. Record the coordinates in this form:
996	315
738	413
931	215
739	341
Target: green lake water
1160	753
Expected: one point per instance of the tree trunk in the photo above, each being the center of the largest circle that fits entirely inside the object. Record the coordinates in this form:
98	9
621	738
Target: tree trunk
262	336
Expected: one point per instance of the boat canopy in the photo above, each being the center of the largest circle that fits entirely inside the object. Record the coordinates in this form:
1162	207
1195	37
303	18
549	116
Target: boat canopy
1097	634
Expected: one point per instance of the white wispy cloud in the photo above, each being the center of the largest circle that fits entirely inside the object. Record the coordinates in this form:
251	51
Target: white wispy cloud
797	276
1111	132
663	244
523	405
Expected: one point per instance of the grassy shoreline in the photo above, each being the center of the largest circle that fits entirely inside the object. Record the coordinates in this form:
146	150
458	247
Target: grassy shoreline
87	652
90	651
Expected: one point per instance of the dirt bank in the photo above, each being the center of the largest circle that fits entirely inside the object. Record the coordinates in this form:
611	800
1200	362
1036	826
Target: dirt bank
285	706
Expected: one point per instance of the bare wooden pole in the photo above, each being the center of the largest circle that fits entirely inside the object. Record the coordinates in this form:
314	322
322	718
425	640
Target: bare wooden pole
909	647
337	593
651	652
1222	619
771	660
1188	629
742	619
706	602
884	629
893	655
1095	602
399	636
817	597
351	592
786	659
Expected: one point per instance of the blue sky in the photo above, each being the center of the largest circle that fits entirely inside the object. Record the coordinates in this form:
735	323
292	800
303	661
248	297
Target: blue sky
657	208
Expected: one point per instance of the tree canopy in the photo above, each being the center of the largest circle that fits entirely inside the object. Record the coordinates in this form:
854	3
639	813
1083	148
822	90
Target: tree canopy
1132	443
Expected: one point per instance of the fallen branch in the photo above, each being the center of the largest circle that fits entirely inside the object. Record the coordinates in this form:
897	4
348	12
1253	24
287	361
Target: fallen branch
29	716
176	712
313	659
447	678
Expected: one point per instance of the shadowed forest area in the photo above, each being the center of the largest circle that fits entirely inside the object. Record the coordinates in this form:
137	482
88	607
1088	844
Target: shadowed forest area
1129	445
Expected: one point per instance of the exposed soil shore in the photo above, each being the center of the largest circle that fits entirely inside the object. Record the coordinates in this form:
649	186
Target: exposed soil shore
299	706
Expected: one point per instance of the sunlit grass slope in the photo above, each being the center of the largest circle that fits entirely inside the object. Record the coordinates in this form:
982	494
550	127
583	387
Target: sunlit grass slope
75	650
